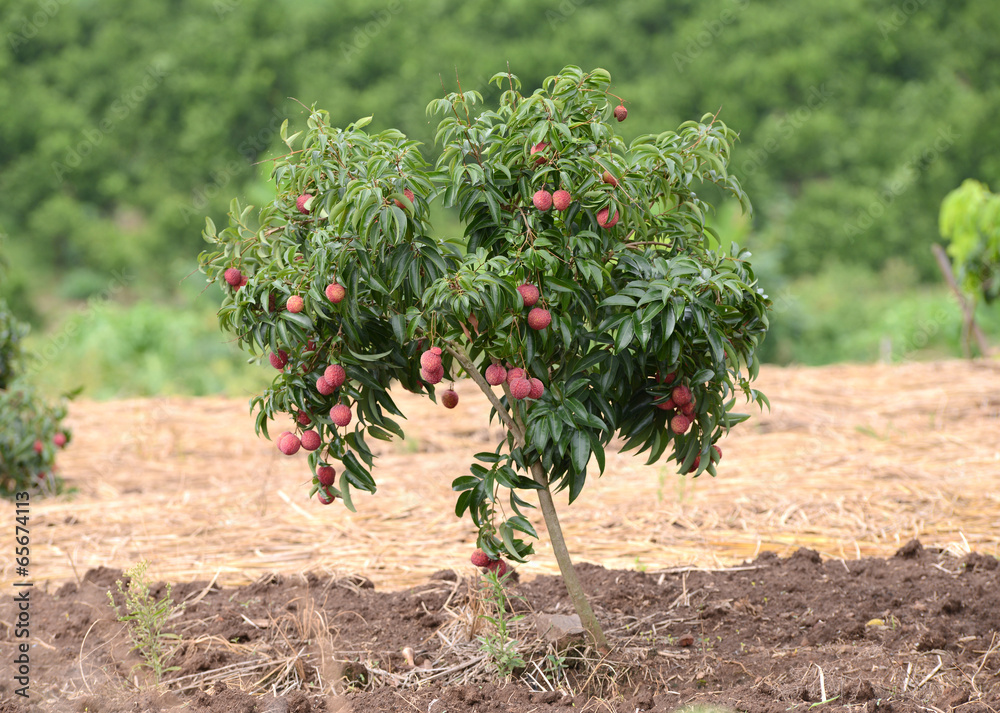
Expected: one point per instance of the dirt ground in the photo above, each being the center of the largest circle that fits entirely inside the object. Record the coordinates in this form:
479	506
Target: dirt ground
784	582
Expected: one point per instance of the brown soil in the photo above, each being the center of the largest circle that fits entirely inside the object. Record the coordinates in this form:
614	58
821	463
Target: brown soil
917	631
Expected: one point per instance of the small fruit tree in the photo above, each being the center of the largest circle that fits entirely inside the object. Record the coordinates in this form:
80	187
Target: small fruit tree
970	220
30	427
584	298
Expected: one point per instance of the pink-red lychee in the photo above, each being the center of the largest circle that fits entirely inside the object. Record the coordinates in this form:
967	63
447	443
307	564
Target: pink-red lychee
233	277
680	424
694	466
324	387
718	451
295	304
689	409
279	360
520	388
335	375
561	200
289	444
304	202
609	179
59	439
495	374
602	218
539	318
540	146
39	446
433	375
529	293
325	496
449	398
621	113
303	418
409	195
515	373
430	360
537	388
681	395
325	474
542	200
479	558
335	292
667	405
666	378
243	282
340	415
499	566
310	440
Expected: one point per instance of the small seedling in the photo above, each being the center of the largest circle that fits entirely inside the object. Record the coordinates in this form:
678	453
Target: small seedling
497	643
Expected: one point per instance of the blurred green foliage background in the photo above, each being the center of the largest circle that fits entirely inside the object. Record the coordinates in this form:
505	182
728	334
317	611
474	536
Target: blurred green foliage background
126	122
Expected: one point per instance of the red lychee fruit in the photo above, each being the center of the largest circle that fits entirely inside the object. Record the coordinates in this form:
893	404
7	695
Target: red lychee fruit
479	558
689	409
621	112
59	439
666	378
694	466
537	388
499	566
310	440
295	304
409	194
340	415
243	282
310	345
433	375
542	200
667	405
561	200
303	418
335	375
529	293
304	202
681	395
279	360
325	474
324	387
325	496
39	446
515	373
335	292
609	179
449	398
539	318
540	146
602	218
680	424
233	277
289	444
718	451
495	374
430	360
520	388
436	350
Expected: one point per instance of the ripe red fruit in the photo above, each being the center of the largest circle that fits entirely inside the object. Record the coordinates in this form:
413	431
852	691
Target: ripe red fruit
621	112
540	146
295	304
449	398
436	350
539	318
520	388
430	360
59	439
542	200
479	558
666	378
303	418
289	444
688	409
279	360
667	405
233	277
537	388
304	202
681	395
325	474
335	375
495	374
243	282
335	292
694	466
608	178
324	387
602	218
340	415
499	566
310	440
717	450
409	194
39	446
529	293
561	200
325	496
433	375
515	373
680	424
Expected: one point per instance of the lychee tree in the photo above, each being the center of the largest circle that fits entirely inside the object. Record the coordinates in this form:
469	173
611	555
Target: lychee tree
587	297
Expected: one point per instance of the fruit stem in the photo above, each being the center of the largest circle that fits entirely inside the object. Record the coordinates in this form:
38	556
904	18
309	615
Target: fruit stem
559	548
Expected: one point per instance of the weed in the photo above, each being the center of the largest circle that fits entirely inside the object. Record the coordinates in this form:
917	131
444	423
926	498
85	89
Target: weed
146	618
497	643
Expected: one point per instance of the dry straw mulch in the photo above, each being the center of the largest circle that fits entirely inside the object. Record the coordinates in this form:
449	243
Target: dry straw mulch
852	460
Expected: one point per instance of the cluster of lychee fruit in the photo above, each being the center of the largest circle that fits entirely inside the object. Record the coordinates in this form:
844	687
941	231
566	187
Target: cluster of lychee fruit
538	318
482	560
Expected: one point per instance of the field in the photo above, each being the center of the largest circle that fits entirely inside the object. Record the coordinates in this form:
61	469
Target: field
789	580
